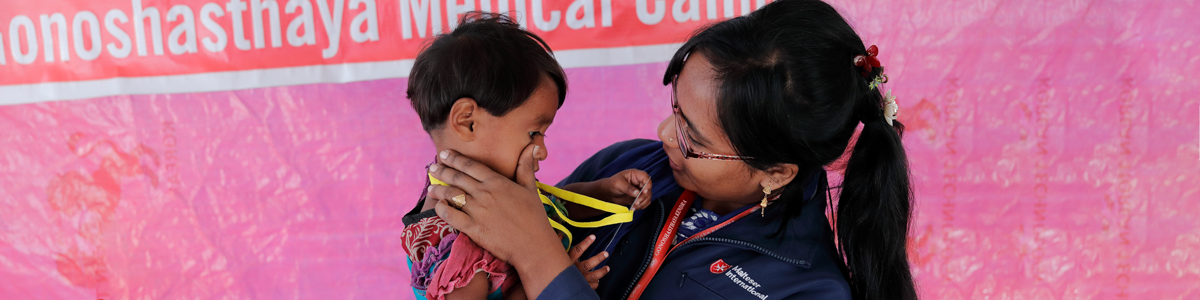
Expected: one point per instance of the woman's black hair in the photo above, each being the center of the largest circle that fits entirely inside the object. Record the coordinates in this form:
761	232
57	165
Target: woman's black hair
789	93
489	58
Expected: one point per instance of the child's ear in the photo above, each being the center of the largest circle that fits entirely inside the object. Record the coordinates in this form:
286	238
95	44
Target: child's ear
463	116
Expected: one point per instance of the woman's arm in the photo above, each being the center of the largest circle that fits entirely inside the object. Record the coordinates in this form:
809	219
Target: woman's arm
507	219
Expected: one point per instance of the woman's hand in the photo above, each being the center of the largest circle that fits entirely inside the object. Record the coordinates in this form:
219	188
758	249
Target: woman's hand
502	216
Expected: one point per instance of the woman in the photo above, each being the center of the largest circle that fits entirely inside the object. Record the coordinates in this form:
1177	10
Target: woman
762	103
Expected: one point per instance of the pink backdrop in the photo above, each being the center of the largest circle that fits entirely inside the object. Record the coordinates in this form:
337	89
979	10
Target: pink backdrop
1054	146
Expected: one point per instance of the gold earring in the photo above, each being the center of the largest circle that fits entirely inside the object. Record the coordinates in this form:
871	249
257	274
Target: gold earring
766	194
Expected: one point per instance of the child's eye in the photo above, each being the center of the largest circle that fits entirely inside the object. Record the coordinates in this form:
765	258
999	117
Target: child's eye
534	134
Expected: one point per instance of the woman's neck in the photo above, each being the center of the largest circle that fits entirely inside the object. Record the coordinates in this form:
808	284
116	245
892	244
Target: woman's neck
722	207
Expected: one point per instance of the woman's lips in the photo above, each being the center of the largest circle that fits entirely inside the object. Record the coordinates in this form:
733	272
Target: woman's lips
674	166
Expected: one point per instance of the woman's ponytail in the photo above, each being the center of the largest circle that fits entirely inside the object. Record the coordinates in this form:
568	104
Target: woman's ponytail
875	208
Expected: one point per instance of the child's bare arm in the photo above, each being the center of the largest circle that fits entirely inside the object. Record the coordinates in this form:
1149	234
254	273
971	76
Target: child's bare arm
589	189
518	293
629	187
475	290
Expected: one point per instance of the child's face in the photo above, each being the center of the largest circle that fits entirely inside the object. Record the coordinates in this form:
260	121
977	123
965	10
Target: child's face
499	141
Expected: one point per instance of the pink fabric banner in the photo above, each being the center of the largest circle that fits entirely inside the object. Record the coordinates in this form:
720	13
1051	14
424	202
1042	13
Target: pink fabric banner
1054	148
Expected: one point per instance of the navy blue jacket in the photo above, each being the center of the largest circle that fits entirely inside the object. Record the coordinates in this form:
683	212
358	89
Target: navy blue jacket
800	262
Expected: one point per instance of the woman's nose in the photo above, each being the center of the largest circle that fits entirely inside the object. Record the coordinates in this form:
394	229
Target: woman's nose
666	133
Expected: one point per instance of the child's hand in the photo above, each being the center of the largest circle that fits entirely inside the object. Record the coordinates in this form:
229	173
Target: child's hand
586	266
628	187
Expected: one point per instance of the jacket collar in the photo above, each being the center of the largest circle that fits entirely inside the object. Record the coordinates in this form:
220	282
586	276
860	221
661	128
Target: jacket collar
801	234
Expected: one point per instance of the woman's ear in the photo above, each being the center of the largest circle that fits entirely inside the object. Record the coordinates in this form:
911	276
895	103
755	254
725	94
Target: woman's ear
780	175
463	115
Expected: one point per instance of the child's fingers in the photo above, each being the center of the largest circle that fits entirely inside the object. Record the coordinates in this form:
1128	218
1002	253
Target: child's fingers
620	184
643	200
635	177
639	177
632	190
643	196
638	180
578	250
591	263
594	276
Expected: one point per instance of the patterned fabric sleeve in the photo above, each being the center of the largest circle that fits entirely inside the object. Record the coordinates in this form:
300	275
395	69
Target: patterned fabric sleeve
464	261
422	271
426	233
444	260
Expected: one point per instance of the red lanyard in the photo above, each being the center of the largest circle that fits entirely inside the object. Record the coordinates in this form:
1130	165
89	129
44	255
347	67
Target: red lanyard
662	245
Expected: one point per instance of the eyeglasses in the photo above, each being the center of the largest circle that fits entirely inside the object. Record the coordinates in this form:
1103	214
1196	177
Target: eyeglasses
685	146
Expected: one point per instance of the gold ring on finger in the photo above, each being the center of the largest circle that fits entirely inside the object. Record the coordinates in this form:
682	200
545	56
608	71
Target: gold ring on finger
459	201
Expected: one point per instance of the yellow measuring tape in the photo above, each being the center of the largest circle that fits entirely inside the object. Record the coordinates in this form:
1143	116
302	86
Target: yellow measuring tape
620	214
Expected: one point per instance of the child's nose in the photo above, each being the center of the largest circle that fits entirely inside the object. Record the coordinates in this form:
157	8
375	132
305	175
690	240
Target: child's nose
542	153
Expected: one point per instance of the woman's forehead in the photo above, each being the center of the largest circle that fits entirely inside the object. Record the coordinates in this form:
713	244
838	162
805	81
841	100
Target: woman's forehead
696	86
696	90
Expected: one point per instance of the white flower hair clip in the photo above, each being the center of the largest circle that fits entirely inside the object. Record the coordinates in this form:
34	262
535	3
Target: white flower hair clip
891	110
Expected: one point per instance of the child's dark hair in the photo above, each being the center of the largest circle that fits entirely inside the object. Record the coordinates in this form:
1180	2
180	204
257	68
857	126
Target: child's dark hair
489	58
789	93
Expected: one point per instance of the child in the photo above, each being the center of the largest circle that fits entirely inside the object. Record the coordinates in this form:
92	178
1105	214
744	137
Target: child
487	90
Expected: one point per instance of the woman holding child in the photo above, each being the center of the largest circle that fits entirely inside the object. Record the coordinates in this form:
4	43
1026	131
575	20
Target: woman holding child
762	104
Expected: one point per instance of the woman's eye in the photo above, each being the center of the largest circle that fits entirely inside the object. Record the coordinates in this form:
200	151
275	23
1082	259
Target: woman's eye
534	134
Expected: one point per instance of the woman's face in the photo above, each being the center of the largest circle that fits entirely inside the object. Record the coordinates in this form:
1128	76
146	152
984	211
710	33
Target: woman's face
716	180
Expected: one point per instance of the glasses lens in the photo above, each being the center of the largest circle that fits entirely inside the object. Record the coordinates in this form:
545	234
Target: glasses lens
683	137
682	142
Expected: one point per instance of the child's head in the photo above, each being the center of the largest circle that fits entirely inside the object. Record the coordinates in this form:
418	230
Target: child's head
487	90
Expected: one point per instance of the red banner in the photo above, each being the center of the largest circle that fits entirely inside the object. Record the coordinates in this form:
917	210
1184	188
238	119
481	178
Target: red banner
56	41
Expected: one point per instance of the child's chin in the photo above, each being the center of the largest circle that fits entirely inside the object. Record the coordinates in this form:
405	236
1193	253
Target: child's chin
511	176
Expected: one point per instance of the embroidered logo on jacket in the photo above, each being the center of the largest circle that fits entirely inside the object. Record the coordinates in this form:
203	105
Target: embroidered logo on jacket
718	267
741	278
